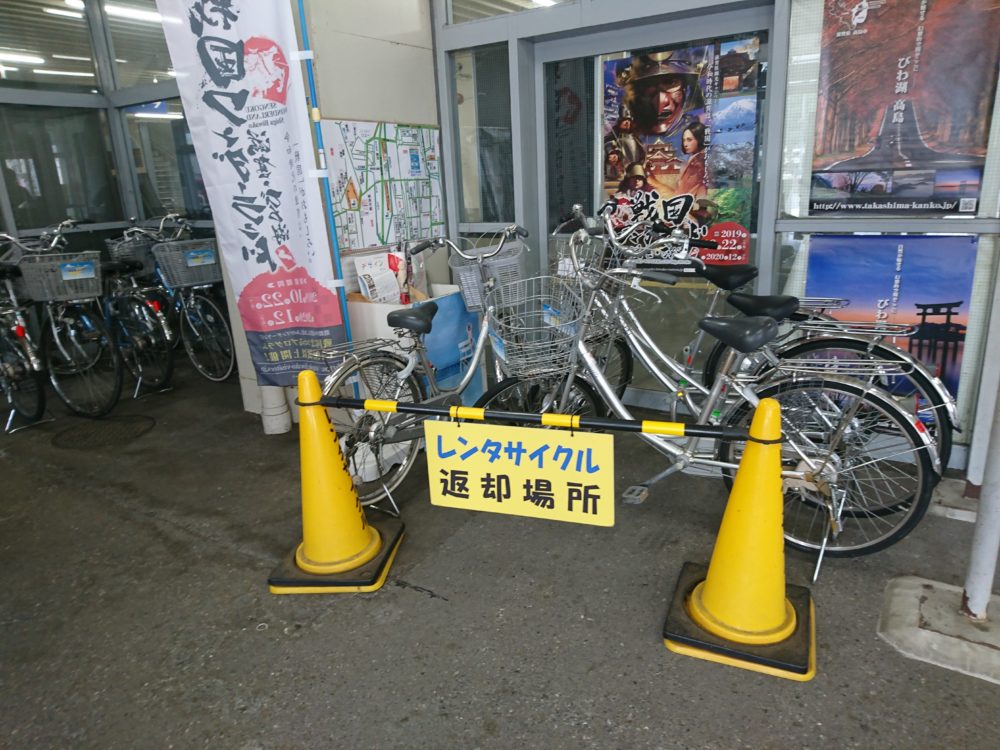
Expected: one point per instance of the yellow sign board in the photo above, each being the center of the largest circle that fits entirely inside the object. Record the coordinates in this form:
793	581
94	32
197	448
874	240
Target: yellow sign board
554	474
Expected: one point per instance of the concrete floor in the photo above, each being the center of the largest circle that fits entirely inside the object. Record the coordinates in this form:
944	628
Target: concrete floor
134	613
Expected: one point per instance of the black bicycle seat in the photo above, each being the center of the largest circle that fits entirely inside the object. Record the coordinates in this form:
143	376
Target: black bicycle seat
9	271
416	319
120	266
742	334
728	277
777	306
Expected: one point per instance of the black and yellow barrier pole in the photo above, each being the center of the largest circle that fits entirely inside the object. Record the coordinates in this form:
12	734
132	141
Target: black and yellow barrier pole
566	421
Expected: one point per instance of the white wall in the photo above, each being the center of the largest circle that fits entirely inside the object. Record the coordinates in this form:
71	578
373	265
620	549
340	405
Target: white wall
374	59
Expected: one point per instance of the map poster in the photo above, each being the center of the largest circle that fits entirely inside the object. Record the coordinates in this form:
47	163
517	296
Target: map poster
679	129
244	103
922	281
906	92
385	180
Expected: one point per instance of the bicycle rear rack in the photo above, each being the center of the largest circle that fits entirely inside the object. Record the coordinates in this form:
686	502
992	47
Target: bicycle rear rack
861	328
855	368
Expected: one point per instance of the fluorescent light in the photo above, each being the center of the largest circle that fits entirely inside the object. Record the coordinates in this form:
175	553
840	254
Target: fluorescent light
172	73
132	14
545	3
21	58
71	57
120	61
7	69
73	73
78	4
64	13
160	115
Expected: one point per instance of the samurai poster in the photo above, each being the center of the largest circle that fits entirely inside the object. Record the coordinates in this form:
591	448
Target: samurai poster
906	91
245	106
922	281
680	140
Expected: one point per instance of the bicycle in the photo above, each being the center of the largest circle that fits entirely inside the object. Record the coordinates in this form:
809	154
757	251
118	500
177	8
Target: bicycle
136	319
185	271
809	333
77	350
380	449
857	473
21	378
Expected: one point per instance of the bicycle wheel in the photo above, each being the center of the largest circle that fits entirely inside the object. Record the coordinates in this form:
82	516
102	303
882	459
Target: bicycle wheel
143	344
82	361
872	464
207	338
541	395
616	361
376	463
22	385
913	392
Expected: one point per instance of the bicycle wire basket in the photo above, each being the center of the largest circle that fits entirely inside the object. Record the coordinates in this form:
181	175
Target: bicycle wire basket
536	324
503	268
188	262
139	250
60	277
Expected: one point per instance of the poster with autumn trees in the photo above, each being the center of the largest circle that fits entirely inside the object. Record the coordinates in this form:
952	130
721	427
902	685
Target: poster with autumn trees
906	91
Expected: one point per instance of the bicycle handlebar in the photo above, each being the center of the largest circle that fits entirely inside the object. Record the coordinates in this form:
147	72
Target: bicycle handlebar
508	232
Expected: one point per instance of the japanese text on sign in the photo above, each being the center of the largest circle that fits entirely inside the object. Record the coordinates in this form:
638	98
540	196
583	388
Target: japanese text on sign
554	474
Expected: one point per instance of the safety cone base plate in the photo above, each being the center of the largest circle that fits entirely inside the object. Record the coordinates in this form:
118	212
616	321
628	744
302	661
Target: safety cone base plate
288	578
794	658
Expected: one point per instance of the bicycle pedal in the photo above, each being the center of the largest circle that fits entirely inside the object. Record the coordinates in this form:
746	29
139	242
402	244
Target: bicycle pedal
636	494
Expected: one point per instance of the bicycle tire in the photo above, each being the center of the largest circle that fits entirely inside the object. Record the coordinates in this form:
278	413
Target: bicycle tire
886	490
22	385
83	363
934	416
533	396
373	376
618	364
145	350
207	338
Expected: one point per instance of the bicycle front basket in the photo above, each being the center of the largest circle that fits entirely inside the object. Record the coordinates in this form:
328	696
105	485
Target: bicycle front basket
189	262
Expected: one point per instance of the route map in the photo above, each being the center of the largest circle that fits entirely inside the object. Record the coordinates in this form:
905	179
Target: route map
385	180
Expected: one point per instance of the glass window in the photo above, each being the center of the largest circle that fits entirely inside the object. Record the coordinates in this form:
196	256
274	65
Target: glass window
485	152
141	54
45	44
469	10
56	164
169	177
569	136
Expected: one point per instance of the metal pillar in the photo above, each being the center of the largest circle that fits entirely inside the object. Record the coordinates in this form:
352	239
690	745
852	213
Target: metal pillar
986	537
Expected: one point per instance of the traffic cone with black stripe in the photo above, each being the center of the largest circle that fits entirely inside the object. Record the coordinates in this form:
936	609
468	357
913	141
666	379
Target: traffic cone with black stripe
341	551
739	611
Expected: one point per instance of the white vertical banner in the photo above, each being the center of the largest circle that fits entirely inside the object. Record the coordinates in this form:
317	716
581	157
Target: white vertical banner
246	108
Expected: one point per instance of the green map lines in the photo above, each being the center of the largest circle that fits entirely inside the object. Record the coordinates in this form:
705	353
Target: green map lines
385	180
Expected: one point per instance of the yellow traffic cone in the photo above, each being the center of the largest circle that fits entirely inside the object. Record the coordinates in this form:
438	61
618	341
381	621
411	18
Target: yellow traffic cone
740	612
341	552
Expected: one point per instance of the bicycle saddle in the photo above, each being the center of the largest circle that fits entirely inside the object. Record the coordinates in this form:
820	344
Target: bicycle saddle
416	319
742	334
728	277
777	306
121	266
8	271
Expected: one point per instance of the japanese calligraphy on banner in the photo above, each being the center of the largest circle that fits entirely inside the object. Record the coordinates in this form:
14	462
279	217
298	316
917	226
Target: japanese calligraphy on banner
906	91
246	108
553	474
679	128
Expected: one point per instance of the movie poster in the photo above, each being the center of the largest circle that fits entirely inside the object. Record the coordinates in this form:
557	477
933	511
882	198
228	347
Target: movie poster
906	90
680	140
924	281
